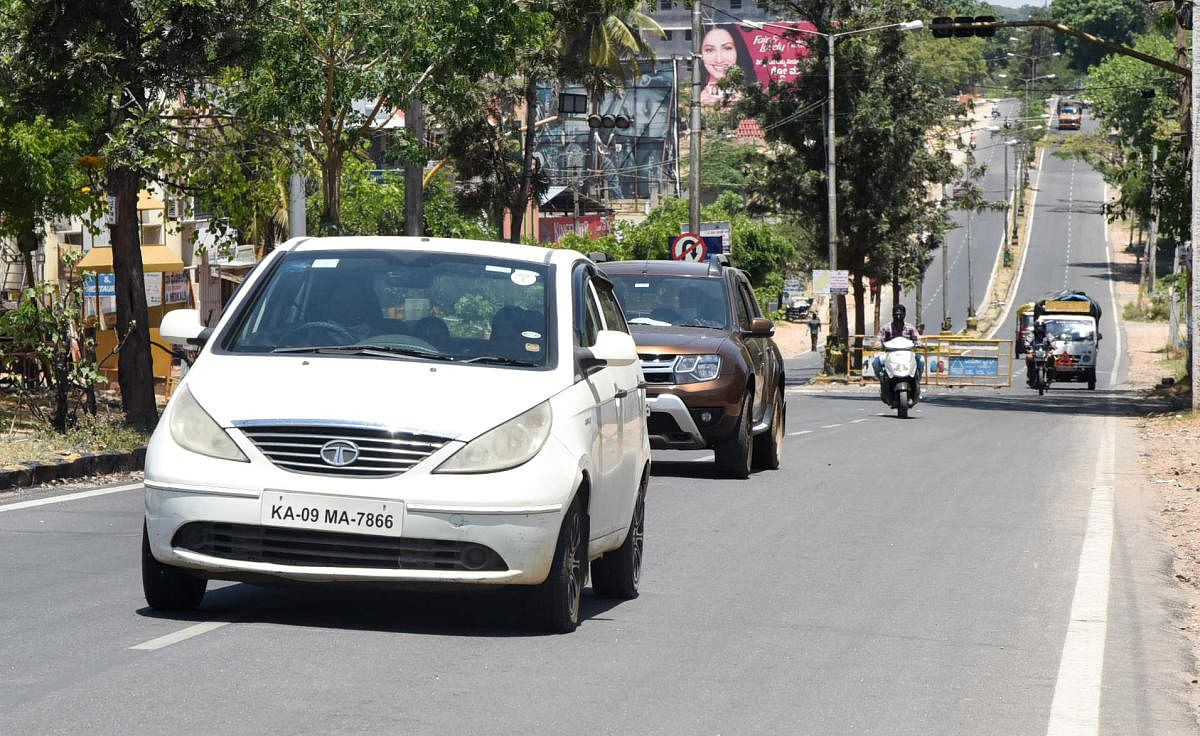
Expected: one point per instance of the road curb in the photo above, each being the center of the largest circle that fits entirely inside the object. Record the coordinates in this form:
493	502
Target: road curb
20	475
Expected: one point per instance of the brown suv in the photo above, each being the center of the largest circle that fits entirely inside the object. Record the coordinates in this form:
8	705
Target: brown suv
714	375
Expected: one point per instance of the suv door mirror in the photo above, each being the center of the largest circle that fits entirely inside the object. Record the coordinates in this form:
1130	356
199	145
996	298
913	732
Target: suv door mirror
183	327
611	348
761	327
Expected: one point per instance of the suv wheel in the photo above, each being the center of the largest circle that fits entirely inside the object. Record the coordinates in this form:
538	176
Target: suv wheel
768	446
734	453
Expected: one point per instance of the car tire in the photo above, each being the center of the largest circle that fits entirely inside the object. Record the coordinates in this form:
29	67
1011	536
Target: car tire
616	574
735	453
168	588
902	403
768	446
1091	380
558	599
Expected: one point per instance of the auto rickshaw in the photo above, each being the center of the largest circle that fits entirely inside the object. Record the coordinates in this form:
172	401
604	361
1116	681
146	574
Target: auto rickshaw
1023	339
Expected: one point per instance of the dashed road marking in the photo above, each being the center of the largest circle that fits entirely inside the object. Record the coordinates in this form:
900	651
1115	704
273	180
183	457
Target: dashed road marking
69	497
803	431
856	421
830	426
178	636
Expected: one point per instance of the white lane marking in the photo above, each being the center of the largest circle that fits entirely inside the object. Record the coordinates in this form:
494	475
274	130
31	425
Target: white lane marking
803	431
178	636
1024	251
69	497
830	426
856	421
1075	710
1112	298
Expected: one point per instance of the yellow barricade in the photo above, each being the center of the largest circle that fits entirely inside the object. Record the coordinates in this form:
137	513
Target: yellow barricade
950	360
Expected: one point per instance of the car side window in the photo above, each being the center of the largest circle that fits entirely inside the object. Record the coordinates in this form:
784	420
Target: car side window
614	319
749	300
591	324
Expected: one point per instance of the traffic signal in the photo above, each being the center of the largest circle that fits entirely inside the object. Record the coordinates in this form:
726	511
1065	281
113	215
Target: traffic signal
570	103
962	26
609	121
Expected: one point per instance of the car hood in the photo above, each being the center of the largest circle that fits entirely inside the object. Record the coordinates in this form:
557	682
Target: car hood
442	399
677	340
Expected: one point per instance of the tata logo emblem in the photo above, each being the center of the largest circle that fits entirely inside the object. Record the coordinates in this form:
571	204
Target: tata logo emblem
339	453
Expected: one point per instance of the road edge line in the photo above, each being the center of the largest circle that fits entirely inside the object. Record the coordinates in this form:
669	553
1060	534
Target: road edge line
178	636
1037	185
1075	708
69	497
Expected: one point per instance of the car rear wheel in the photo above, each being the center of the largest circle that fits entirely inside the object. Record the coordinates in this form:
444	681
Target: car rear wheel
768	446
557	600
735	453
616	574
168	588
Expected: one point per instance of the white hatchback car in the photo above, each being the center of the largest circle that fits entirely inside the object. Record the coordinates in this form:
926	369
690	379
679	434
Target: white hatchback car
404	411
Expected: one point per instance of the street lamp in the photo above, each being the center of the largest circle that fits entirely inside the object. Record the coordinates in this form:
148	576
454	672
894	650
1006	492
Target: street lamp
830	147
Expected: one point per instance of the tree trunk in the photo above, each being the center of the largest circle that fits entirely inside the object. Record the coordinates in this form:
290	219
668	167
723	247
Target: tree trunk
523	192
331	184
135	370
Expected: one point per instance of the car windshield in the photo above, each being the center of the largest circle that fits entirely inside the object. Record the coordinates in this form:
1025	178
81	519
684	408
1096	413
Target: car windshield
406	304
1069	329
664	301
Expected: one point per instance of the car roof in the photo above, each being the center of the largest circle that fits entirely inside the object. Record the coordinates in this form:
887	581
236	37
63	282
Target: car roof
510	251
656	268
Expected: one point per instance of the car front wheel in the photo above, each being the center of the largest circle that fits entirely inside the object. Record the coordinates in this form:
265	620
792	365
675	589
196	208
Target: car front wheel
734	454
168	588
557	600
768	446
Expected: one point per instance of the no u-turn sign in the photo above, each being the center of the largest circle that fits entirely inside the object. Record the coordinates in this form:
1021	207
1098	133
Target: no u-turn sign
689	247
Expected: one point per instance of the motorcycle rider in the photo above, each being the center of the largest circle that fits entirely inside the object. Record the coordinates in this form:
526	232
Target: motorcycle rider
896	328
1046	341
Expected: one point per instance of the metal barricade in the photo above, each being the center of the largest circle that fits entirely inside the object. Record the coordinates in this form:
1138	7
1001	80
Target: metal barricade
950	360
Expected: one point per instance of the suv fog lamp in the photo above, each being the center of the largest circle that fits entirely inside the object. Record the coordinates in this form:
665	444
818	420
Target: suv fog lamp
698	367
511	444
193	429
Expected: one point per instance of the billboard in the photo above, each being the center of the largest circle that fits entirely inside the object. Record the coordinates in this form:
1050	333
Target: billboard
770	54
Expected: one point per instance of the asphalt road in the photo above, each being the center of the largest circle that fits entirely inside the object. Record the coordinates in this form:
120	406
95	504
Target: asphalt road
988	566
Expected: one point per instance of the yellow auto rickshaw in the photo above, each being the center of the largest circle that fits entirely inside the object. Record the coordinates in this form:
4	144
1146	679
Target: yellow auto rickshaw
1023	339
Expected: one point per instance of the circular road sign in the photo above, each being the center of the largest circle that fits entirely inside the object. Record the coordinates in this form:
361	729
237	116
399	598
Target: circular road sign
689	247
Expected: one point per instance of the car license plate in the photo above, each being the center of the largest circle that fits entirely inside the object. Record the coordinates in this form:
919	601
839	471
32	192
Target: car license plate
331	513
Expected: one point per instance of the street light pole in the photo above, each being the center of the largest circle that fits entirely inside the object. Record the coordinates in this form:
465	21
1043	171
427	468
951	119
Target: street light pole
836	301
694	133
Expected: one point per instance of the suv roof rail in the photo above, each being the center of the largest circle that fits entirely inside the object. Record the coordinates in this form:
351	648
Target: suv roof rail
599	256
716	262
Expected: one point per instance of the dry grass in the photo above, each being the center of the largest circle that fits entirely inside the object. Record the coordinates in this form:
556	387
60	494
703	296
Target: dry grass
23	439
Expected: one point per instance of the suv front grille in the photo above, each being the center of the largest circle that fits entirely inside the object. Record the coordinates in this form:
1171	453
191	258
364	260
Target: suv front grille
381	452
658	368
303	547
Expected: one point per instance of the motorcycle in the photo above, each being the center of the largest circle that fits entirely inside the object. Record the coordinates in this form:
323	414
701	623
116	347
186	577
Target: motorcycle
1042	373
903	390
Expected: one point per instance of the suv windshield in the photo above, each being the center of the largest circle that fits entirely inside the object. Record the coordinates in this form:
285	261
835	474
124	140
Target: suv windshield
411	304
663	301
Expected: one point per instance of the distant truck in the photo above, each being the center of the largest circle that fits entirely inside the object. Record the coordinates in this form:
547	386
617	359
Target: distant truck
1071	321
1070	114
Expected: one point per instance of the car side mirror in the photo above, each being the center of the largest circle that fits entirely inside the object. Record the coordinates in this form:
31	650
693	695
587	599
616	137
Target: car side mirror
612	348
183	327
761	327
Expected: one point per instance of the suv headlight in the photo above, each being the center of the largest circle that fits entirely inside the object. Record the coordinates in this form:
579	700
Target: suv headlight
511	444
694	368
193	429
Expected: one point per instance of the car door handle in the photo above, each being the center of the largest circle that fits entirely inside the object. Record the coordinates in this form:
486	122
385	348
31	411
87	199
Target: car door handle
641	384
621	393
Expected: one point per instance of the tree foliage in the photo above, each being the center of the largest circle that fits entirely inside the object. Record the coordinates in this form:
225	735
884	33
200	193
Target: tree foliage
1118	21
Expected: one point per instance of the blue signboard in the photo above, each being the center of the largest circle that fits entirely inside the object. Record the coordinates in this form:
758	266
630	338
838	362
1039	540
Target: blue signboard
89	287
714	244
108	284
961	365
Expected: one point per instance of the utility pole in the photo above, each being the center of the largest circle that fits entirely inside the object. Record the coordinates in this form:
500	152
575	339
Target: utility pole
1152	244
1195	259
694	133
414	200
836	301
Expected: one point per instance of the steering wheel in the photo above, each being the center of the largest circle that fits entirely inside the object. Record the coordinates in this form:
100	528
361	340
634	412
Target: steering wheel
339	333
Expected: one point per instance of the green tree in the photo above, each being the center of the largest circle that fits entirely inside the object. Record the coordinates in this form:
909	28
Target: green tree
1118	21
117	69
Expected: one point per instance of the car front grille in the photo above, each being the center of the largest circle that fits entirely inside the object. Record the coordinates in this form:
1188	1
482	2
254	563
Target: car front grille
381	452
309	548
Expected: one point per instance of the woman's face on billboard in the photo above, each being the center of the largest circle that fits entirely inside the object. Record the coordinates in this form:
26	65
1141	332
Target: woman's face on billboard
718	52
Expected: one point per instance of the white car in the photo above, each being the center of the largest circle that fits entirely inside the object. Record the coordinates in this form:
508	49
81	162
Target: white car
406	411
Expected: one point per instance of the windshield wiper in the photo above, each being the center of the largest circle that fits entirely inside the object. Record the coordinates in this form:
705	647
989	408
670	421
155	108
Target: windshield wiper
500	360
383	351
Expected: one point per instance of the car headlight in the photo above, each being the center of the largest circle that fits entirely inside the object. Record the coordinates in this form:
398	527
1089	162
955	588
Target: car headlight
692	368
506	446
193	429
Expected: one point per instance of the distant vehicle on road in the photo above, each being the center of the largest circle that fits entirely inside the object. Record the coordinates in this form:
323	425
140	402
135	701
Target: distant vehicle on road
404	412
1070	114
714	375
1071	322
